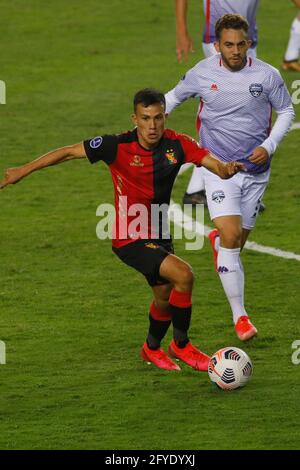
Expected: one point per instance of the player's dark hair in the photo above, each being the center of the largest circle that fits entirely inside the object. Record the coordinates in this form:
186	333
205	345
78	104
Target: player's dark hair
148	96
231	21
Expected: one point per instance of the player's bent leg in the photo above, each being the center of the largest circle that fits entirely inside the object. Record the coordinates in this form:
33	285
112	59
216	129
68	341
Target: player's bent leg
180	274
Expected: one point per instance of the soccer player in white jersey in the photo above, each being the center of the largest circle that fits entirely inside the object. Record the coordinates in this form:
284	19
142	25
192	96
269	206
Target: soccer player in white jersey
291	57
237	94
213	10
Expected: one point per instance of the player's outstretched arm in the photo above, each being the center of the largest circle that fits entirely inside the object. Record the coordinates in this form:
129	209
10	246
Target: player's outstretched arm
71	152
223	170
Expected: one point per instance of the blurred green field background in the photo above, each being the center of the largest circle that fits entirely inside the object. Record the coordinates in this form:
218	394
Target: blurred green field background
72	316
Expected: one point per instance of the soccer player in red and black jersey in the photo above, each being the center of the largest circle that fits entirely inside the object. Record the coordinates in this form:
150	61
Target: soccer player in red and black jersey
144	163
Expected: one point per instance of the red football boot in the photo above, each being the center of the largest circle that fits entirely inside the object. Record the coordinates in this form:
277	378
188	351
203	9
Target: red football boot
212	238
158	357
244	328
190	355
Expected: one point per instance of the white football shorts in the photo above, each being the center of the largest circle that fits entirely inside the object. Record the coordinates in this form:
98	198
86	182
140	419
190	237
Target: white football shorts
239	195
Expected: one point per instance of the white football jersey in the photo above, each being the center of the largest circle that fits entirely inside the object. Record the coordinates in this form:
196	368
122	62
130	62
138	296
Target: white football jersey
214	9
235	108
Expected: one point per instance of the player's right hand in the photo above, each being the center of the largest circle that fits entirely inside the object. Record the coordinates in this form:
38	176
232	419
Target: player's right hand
11	176
231	168
184	45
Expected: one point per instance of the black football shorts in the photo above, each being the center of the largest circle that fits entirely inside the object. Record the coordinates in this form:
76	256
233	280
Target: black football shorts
146	257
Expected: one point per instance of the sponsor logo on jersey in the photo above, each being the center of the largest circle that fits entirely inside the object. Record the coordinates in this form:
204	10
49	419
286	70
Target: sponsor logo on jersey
170	155
96	142
137	161
218	196
214	87
256	89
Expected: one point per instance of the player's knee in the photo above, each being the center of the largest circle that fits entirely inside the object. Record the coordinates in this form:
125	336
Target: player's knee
186	278
231	238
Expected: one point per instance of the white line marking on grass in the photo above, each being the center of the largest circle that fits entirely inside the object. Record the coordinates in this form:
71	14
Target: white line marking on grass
295	126
183	220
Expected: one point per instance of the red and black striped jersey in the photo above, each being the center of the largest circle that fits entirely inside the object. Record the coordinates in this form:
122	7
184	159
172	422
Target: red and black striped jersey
142	179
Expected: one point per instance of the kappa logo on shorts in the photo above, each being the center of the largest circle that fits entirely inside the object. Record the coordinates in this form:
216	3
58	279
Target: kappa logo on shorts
151	245
218	196
256	89
96	142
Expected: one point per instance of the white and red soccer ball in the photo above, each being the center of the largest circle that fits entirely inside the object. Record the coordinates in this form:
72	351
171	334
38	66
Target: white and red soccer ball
230	368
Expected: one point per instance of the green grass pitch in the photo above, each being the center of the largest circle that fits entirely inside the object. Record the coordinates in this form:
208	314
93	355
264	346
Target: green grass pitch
72	316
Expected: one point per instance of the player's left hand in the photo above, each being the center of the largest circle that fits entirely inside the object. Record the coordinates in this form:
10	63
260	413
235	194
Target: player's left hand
259	156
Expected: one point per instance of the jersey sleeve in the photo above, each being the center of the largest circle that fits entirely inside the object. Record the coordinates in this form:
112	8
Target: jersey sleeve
278	95
281	101
101	148
193	152
188	87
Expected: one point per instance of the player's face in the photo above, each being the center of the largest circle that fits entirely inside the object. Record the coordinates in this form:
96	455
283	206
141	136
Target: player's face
150	122
233	46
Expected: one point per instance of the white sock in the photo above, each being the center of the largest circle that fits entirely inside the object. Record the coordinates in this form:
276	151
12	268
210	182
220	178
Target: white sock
232	277
292	52
196	182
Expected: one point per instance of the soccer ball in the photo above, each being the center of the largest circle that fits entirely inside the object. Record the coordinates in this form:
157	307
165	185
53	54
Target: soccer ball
230	368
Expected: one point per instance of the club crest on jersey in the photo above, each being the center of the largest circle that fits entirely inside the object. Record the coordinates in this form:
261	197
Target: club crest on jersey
96	142
137	161
256	89
170	155
218	196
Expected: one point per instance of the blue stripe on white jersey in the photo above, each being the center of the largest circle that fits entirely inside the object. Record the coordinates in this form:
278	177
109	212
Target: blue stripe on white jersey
235	110
214	9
